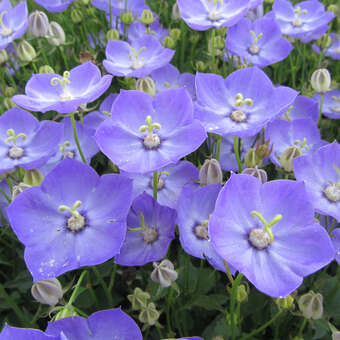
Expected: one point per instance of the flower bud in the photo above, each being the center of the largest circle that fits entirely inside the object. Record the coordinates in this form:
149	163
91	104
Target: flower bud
9	91
8	103
33	177
168	42
18	189
310	305
149	314
321	80
241	294
26	51
175	34
56	34
76	16
147	17
175	14
324	41
256	172
127	18
200	66
287	156
48	292
164	273
334	9
210	172
3	56
112	35
38	24
46	69
251	159
336	336
138	299
285	303
66	312
146	85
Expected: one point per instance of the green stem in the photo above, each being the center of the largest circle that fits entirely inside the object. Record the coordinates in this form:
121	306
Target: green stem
183	45
76	138
320	109
292	67
263	327
62	53
110	13
104	285
302	327
212	39
5	195
218	151
232	304
112	277
76	288
237	153
155	185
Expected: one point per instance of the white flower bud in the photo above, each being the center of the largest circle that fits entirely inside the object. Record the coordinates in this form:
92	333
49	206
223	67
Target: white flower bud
164	273
176	15
336	336
146	85
321	80
210	172
310	305
256	172
3	56
48	292
38	24
26	51
56	34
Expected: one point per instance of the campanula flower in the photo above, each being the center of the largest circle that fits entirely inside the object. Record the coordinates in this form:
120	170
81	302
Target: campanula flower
136	7
333	48
55	5
331	103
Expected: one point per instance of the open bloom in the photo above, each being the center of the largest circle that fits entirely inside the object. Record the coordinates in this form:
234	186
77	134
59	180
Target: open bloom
241	104
267	232
260	42
331	103
137	30
136	7
201	15
55	5
25	142
148	133
47	92
137	59
13	22
70	220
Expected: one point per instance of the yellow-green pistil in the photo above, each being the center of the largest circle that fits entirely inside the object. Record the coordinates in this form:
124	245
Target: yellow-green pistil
151	140
261	238
76	222
298	11
135	62
332	191
63	149
254	49
201	230
149	235
238	115
15	152
63	82
214	15
4	30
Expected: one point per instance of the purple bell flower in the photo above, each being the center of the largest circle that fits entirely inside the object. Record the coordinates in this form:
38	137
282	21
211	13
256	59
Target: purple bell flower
118	6
321	174
69	222
171	180
305	17
150	132
336	243
314	35
267	232
155	226
333	49
331	103
25	142
259	43
138	59
55	5
240	105
194	210
9	332
201	15
52	92
13	22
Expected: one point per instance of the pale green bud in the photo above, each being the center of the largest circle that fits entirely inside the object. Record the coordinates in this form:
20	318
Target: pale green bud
149	314
33	177
138	299
47	292
76	16
310	305
127	18
147	17
169	42
321	80
18	189
46	69
56	34
200	66
175	34
286	159
38	24
146	85
65	313
285	303
26	51
112	35
241	294
175	14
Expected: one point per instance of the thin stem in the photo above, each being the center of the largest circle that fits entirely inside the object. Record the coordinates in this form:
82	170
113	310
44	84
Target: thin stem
76	138
76	288
112	277
104	285
110	13
218	151
237	153
302	327
320	109
5	195
212	40
232	304
183	45
61	49
155	185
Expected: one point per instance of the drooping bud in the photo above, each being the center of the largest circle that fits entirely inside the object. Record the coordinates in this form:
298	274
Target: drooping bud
33	177
310	305
175	34
127	18
169	42
147	17
256	172
48	292
164	273
285	303
3	56
76	16
56	34
112	35
9	91
149	314
146	85
175	14
321	80
242	293
26	51
138	299
18	189
38	24
210	172
286	159
46	69
251	159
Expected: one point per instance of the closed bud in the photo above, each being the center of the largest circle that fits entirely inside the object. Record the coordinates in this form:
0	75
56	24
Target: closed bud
112	35
175	14
164	273
138	299
46	69
26	51
175	33
146	85
18	189
168	42
241	294
336	336
9	91
219	42
33	177
8	103
48	292
334	9
251	159
256	172
324	41
285	303
3	56
66	312
38	24
56	34
287	156
149	314
321	80
147	17
200	66
210	172
310	305
76	16
127	18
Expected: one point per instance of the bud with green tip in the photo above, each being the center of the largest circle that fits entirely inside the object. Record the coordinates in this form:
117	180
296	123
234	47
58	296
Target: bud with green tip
321	80
46	69
175	34
257	173
38	24
3	56
310	305
112	35
138	299
285	303
47	292
210	172
147	17
33	177
26	51
56	34
146	85
242	293
169	42
127	18
149	314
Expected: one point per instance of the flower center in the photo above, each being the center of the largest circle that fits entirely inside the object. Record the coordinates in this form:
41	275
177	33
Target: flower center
63	149
214	15
150	235
332	191
76	222
254	49
4	30
238	116
201	230
135	62
15	152
297	22
151	140
65	96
